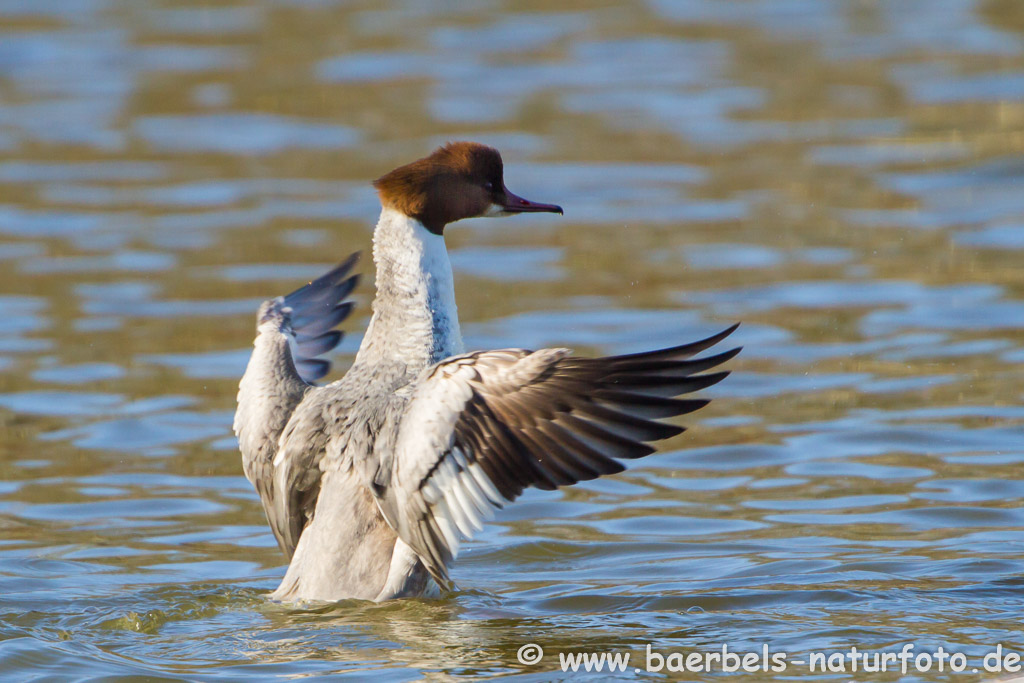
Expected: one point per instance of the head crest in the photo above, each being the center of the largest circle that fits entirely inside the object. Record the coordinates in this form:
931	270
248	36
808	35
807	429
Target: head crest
450	184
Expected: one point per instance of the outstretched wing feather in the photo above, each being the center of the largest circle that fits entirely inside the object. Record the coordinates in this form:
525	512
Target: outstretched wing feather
483	426
316	309
286	471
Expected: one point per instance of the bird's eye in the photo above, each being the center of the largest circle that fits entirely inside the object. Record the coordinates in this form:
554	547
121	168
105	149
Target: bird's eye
489	186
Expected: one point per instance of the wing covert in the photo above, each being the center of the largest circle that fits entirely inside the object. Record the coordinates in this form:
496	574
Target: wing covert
483	426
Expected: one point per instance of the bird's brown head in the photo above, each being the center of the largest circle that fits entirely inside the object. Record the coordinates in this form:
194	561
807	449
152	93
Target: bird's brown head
459	180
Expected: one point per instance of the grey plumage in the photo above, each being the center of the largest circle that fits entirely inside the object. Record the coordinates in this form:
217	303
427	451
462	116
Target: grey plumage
370	482
276	381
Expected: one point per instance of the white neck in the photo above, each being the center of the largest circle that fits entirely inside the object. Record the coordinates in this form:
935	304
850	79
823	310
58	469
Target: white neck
415	320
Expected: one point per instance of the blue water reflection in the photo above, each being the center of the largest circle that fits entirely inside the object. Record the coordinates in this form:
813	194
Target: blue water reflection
842	176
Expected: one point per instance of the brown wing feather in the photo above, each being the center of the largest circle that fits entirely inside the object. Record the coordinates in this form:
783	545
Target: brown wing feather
541	419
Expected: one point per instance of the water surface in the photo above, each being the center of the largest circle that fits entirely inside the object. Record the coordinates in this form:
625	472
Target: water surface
845	177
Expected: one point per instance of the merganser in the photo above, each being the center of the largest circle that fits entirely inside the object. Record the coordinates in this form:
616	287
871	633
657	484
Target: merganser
370	483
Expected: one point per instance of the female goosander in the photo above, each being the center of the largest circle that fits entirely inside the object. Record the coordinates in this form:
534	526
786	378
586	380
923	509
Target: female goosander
370	482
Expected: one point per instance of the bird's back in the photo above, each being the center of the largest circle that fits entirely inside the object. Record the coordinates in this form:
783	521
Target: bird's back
336	445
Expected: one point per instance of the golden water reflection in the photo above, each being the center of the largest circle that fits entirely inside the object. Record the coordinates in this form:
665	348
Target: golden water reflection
842	176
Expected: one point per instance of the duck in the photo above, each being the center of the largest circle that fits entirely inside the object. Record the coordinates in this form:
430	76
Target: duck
371	483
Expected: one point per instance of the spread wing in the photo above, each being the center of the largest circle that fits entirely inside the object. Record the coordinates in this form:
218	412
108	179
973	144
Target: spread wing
483	426
293	331
316	309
